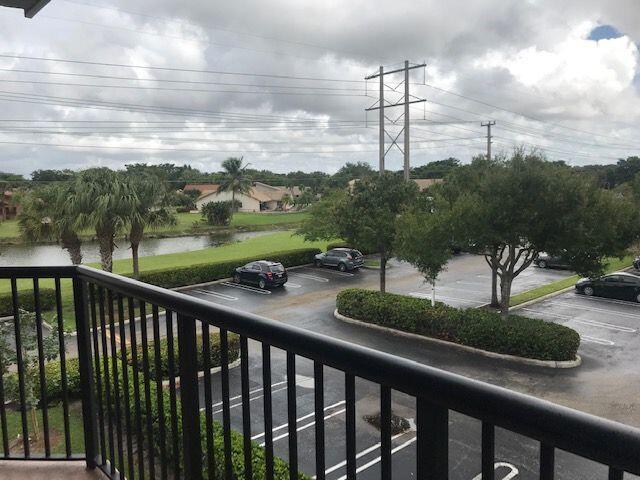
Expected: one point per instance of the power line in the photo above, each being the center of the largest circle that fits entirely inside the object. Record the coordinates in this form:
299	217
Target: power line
176	69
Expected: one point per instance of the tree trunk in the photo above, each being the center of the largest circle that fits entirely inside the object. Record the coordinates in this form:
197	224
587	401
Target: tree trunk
494	284
505	294
433	293
233	201
383	272
105	244
135	237
73	245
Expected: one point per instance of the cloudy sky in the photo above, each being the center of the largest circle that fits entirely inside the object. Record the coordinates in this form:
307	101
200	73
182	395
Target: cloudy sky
281	82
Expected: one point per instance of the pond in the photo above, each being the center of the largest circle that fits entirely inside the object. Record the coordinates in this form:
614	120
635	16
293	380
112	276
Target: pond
33	255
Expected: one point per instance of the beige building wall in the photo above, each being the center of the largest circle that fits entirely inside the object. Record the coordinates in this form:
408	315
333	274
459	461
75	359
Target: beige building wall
249	204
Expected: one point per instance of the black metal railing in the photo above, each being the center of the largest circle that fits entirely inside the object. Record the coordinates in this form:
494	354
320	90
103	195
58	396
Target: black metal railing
139	372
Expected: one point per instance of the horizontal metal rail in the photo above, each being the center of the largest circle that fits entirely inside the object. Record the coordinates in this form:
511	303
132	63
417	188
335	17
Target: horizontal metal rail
610	443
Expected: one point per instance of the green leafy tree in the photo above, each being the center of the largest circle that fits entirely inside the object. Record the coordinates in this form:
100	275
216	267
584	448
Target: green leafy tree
305	199
424	238
149	210
365	218
511	209
235	179
104	201
48	213
30	359
217	213
286	201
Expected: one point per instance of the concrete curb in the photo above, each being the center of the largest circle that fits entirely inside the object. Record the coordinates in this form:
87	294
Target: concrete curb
485	353
544	297
235	363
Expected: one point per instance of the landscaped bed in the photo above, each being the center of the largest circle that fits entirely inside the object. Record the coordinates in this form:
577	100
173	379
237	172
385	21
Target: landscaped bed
477	328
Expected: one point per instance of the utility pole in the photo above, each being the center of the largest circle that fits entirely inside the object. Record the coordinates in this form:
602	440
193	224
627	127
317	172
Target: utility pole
488	125
382	105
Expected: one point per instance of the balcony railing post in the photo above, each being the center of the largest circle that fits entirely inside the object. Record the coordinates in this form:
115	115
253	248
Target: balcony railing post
89	415
189	398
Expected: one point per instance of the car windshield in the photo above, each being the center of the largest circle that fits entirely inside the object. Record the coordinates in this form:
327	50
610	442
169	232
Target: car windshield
356	253
277	268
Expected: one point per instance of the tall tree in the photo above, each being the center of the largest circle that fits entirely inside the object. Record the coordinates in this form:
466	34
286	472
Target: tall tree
105	202
149	210
365	217
235	179
48	213
513	209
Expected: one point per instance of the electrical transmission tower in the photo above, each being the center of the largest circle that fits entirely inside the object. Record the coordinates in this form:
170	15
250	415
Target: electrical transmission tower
382	105
489	137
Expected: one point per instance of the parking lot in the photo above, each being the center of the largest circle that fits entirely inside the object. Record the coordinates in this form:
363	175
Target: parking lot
607	384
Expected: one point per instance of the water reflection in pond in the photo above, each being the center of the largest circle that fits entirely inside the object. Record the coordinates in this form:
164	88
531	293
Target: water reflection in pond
31	255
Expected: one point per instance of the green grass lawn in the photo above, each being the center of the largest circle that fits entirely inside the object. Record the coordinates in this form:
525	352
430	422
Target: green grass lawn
56	430
9	229
612	266
187	223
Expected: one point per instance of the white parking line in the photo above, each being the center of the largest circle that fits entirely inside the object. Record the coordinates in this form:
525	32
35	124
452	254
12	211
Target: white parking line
221	296
444	287
334	272
246	287
599	341
360	454
594	323
310	277
580	298
251	392
307	425
292	285
285	425
376	460
596	309
470	283
251	399
512	474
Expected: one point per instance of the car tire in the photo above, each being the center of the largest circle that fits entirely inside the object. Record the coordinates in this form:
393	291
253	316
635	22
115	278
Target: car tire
317	263
262	284
588	291
342	267
236	277
542	264
638	297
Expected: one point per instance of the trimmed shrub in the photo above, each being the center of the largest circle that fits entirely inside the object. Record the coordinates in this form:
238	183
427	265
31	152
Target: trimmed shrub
217	213
207	272
519	336
215	359
27	302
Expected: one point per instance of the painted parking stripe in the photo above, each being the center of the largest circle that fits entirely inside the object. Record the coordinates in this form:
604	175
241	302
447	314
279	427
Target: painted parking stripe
307	425
247	288
251	392
221	296
251	399
310	277
594	323
293	285
304	417
478	284
599	341
512	474
596	309
334	272
360	454
439	287
377	460
630	304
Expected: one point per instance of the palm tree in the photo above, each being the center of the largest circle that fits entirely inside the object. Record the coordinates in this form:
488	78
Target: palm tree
286	201
234	179
48	214
149	211
104	201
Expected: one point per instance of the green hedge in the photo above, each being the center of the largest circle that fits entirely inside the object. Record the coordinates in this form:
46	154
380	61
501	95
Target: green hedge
364	251
27	302
207	272
520	336
53	374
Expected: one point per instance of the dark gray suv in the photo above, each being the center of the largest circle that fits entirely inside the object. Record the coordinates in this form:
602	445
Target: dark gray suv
343	258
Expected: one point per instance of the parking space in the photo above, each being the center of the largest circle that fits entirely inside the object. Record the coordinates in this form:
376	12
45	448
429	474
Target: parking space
516	457
607	327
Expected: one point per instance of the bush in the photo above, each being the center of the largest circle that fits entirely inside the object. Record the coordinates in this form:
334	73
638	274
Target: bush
520	336
26	301
207	272
364	251
217	213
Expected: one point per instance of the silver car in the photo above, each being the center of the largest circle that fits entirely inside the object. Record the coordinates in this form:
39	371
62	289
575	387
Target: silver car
343	258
